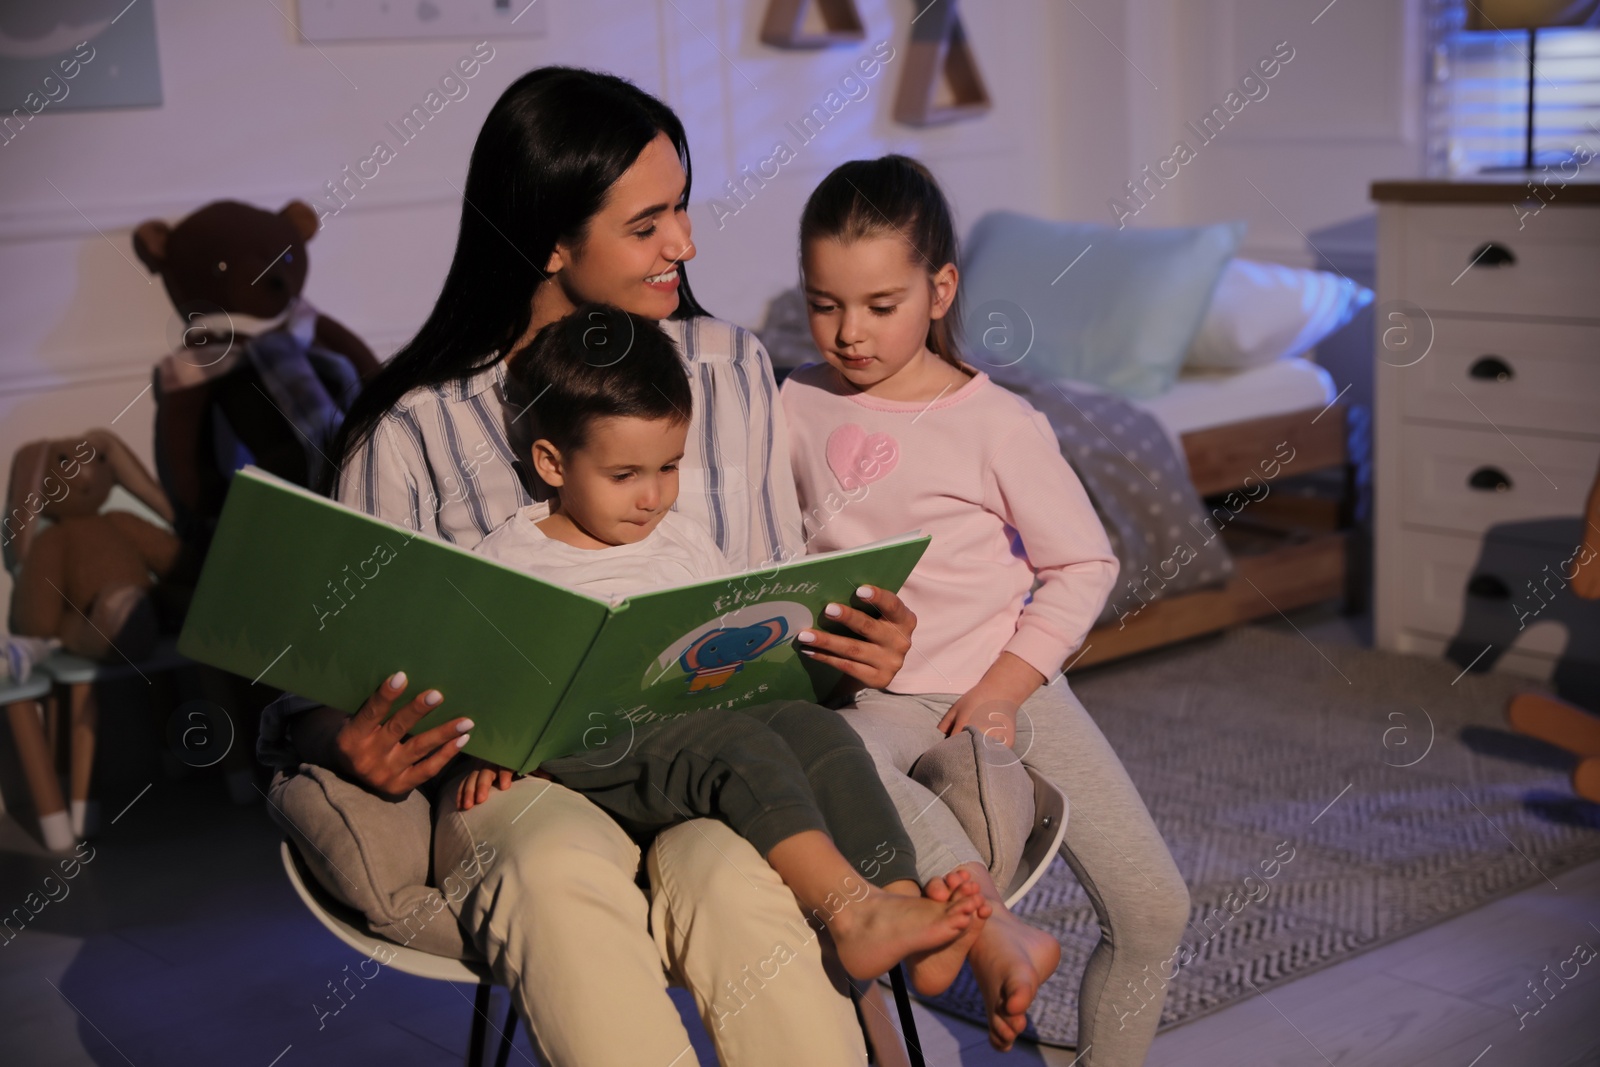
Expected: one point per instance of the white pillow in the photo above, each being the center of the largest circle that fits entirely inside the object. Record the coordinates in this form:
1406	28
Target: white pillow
1262	312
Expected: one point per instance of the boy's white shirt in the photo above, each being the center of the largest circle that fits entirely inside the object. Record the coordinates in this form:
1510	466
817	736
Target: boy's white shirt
679	551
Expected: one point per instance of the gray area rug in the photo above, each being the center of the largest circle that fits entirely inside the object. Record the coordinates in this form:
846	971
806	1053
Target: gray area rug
1242	742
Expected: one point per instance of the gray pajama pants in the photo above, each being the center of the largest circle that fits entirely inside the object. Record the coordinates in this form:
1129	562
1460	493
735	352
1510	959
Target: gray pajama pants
769	772
1111	844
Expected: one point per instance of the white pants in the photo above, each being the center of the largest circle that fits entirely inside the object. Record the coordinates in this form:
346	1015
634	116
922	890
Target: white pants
564	925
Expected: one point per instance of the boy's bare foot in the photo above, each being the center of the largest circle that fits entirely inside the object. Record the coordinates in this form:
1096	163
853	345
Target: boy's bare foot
1011	960
878	931
932	972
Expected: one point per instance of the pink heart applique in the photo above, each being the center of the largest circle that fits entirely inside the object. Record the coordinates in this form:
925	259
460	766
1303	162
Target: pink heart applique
858	458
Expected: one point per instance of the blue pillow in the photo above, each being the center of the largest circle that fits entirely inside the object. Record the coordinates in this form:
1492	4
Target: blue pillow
1119	315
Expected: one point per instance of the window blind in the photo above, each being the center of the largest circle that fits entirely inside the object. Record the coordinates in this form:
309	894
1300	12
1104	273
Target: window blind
1477	95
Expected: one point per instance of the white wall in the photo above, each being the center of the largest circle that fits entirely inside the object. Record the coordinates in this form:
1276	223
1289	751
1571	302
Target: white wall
251	113
1342	112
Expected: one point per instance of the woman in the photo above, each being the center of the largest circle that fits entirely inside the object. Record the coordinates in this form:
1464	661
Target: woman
578	191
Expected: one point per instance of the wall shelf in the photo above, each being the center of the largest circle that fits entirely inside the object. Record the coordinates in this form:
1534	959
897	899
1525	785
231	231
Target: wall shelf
785	25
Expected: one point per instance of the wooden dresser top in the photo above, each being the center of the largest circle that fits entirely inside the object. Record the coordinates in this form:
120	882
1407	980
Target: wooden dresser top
1552	187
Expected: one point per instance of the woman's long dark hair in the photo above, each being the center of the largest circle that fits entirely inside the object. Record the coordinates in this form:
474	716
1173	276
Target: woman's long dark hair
892	196
551	148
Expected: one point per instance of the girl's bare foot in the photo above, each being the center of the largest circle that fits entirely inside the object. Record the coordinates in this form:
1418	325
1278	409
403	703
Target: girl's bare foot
878	931
932	972
1011	960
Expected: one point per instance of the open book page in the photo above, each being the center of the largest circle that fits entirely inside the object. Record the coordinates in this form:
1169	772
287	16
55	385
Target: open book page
724	643
307	595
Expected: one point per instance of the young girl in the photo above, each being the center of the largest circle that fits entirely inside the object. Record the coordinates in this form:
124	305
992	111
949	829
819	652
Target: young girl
919	439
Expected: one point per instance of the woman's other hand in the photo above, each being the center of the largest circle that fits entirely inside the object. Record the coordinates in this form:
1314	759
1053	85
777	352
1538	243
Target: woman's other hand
372	747
879	653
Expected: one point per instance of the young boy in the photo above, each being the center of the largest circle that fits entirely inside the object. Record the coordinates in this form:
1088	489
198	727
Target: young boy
787	775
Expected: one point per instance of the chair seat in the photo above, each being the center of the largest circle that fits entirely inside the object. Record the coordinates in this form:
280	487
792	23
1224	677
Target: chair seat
37	685
68	669
347	925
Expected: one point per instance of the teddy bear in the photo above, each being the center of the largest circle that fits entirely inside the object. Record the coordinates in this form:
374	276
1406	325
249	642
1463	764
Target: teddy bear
89	579
258	375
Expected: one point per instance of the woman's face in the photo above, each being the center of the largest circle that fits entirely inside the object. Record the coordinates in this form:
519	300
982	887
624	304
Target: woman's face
629	257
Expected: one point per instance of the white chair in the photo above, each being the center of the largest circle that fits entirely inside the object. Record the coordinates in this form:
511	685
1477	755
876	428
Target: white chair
1049	827
348	926
77	681
1050	824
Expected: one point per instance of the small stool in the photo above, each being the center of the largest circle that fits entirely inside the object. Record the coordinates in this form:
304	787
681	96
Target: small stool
79	676
29	705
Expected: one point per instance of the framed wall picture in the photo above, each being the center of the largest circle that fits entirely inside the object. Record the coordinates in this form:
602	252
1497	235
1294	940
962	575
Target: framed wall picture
71	56
379	20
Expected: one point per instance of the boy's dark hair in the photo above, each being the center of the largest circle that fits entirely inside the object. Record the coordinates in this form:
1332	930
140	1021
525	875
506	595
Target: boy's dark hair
599	362
892	196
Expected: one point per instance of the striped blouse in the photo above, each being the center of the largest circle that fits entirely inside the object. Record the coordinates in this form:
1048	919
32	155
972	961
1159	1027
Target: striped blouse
446	461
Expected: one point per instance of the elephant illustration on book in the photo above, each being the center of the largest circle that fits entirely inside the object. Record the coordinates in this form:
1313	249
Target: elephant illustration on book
719	654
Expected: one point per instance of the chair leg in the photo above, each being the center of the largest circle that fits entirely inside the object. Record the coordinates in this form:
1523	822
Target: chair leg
861	1021
480	1023
908	1023
884	1042
54	825
52	729
84	723
507	1034
163	701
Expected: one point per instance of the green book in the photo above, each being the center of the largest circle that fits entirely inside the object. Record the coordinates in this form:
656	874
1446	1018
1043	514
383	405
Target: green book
325	601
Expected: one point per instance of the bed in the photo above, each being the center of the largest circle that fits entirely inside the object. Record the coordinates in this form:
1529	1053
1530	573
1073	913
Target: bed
1291	546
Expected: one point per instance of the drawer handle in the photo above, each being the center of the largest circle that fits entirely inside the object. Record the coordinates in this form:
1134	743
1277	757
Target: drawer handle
1491	368
1489	479
1490	254
1488	587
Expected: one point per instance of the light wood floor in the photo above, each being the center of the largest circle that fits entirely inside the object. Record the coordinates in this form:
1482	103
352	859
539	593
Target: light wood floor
1440	998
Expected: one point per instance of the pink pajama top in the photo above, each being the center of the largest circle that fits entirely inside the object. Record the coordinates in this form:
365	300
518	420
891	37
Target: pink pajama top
980	470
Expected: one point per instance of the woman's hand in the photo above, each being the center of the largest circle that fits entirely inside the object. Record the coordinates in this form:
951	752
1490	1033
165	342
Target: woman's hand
881	651
372	747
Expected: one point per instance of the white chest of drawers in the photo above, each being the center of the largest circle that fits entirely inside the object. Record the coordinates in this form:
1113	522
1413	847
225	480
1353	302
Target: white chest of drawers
1487	420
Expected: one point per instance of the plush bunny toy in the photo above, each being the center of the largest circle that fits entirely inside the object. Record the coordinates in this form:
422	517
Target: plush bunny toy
87	580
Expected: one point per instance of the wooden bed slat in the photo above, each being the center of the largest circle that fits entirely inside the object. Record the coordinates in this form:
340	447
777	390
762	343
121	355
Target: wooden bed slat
1222	457
1294	576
